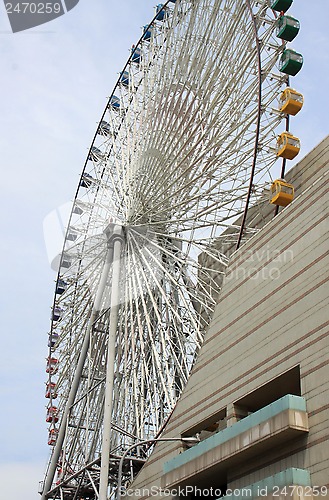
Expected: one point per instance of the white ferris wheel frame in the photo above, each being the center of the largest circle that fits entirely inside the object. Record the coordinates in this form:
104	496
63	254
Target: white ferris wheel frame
185	143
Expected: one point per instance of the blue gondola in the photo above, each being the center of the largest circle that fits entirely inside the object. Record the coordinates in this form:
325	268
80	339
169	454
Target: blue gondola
57	313
95	154
72	235
61	287
53	337
124	78
115	102
66	261
104	128
147	33
77	210
86	180
161	13
136	55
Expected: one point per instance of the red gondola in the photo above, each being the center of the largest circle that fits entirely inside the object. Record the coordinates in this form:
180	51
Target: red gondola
52	365
52	437
52	414
51	390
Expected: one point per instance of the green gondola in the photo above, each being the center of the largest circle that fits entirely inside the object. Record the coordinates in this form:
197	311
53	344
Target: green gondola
287	28
291	62
281	5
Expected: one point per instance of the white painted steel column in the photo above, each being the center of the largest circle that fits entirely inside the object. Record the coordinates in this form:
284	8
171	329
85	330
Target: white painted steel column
77	375
116	237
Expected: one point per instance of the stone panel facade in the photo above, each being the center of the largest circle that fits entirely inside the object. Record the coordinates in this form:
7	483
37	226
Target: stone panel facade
269	337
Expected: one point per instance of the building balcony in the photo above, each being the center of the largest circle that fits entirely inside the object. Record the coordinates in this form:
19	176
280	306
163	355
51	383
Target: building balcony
283	420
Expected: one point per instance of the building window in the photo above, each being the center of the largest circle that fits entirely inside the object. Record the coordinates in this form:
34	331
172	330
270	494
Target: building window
209	426
286	383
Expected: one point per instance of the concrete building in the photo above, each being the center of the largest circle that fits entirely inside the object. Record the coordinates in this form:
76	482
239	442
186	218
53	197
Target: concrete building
258	395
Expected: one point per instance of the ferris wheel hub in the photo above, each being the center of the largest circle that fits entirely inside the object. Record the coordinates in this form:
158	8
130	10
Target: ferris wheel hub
113	232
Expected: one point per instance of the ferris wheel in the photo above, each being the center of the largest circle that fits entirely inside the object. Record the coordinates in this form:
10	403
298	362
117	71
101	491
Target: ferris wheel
184	146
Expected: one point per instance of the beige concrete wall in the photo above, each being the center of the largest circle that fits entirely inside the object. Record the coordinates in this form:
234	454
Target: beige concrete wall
302	175
272	315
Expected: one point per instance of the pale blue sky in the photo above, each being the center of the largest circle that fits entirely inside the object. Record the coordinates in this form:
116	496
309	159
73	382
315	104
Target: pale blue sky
54	83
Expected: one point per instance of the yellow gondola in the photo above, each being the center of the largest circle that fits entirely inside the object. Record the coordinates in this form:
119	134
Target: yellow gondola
288	146
281	193
291	101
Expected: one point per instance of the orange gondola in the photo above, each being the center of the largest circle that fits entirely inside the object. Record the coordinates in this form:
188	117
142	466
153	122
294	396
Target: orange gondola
281	193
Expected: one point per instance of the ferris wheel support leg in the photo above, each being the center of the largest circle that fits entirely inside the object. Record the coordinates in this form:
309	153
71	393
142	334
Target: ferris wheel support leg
77	376
116	237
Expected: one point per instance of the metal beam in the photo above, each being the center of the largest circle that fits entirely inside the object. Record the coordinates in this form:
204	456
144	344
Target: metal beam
117	239
77	376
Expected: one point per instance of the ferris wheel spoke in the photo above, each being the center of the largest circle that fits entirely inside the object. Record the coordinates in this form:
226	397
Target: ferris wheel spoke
166	340
162	375
168	277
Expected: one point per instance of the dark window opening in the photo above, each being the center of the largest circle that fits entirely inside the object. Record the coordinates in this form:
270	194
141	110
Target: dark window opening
286	383
209	426
207	488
